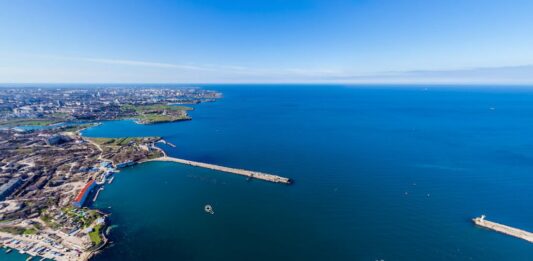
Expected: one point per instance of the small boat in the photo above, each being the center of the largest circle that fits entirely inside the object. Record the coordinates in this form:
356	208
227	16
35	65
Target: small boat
9	250
209	209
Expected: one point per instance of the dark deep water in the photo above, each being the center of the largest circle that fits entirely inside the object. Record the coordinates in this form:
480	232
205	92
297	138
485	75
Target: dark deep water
393	173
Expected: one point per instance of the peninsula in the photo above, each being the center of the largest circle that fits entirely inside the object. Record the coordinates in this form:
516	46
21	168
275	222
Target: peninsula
158	113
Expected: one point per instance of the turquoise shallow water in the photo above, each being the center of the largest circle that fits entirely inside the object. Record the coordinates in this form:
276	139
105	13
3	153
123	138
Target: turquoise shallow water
13	256
381	173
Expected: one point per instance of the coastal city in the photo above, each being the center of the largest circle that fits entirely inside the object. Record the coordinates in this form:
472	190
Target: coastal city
46	106
50	174
266	130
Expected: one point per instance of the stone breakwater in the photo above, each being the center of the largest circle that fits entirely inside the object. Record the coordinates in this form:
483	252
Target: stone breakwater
247	173
511	231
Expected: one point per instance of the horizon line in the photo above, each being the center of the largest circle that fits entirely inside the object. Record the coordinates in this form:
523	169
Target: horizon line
193	85
278	83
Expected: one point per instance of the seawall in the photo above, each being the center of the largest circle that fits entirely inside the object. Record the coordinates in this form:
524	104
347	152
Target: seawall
511	231
247	173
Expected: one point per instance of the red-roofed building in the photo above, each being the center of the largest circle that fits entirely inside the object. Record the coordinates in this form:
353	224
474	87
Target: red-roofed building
82	195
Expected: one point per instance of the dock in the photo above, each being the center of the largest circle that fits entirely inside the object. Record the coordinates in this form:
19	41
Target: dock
243	172
97	193
511	231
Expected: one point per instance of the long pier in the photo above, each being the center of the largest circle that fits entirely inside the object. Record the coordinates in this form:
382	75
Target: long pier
511	231
243	172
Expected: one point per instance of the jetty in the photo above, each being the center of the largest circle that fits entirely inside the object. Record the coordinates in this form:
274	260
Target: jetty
97	193
511	231
166	143
243	172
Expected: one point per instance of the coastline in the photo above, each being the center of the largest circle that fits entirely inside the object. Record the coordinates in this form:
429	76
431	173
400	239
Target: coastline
72	230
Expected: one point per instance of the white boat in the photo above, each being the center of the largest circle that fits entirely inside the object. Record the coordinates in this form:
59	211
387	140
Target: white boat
209	209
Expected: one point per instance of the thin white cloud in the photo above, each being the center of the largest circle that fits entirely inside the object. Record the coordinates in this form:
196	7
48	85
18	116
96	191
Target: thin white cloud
140	63
211	69
133	63
224	69
520	74
231	69
31	68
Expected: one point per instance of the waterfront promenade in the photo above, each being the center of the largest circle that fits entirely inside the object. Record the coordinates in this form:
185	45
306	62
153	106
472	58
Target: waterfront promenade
247	173
515	232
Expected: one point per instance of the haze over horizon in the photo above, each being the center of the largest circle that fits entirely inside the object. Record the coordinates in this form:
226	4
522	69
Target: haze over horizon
263	41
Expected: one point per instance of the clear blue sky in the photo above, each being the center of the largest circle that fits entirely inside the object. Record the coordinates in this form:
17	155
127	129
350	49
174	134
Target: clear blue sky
267	41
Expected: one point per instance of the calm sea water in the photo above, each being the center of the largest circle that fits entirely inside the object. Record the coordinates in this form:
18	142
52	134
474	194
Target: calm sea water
392	173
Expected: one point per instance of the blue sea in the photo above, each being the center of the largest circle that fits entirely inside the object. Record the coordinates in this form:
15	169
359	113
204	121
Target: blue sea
381	173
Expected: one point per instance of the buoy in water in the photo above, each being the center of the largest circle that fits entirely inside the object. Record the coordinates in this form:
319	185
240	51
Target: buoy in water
209	209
